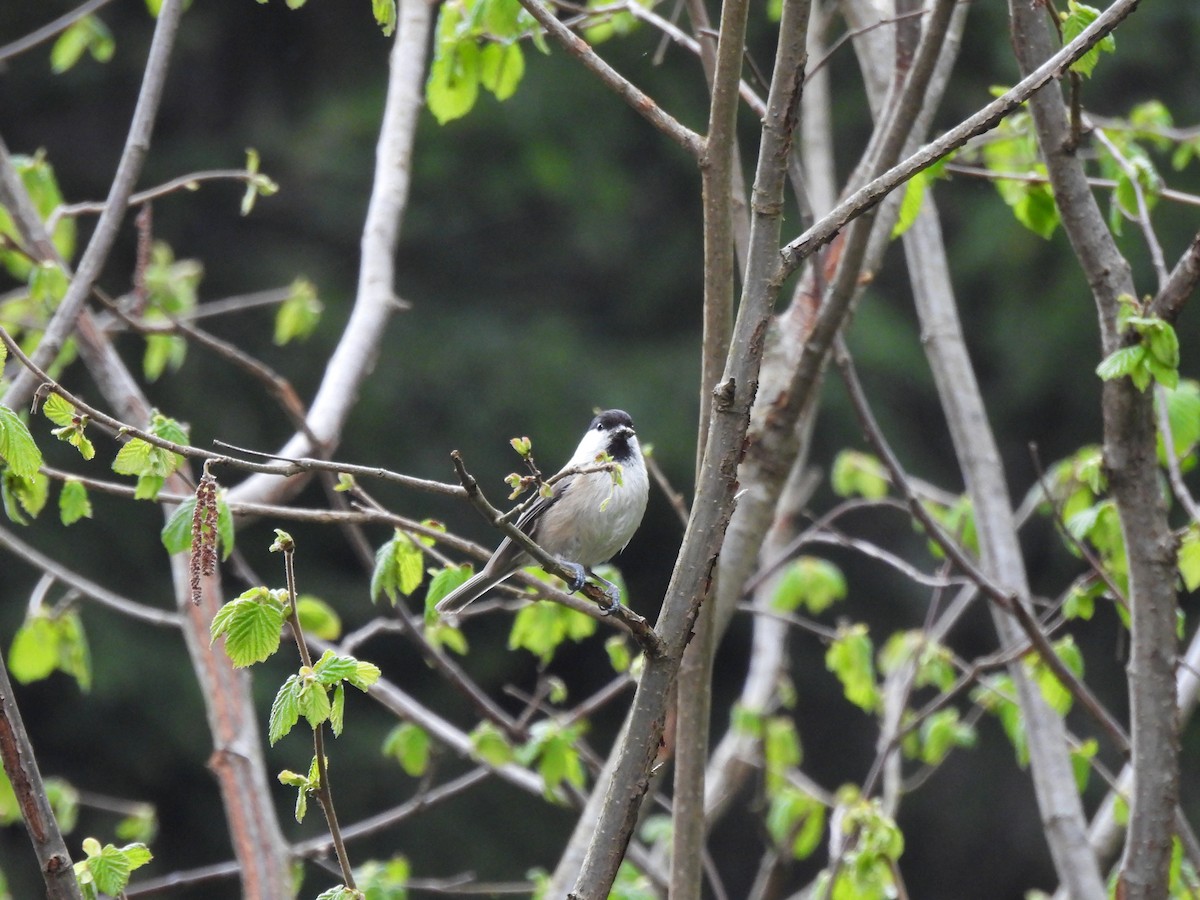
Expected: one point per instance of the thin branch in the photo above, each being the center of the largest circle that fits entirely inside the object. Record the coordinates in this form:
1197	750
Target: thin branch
85	587
190	182
20	766
641	102
823	231
1168	304
970	171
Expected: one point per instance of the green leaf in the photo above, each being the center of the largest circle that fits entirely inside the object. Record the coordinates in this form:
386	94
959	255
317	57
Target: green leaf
285	709
34	652
781	750
490	745
365	675
28	494
337	710
318	618
1125	361
501	67
408	744
442	582
1188	558
88	34
1078	17
385	15
619	656
1081	762
257	185
57	409
299	314
453	83
849	657
552	748
399	567
542	626
176	534
108	868
251	625
914	195
332	668
813	583
1183	413
942	732
312	700
796	821
17	447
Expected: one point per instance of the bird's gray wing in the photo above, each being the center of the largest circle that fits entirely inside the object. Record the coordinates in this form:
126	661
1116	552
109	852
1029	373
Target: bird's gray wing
508	552
505	559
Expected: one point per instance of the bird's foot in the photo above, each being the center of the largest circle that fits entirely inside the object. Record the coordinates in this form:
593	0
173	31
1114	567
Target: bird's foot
578	575
612	592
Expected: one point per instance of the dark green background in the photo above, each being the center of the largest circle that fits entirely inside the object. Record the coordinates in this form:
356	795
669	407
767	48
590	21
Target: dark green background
551	254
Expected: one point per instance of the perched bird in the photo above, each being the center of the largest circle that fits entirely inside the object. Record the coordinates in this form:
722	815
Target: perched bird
587	519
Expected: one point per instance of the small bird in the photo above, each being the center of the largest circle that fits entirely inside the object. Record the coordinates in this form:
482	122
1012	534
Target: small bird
588	518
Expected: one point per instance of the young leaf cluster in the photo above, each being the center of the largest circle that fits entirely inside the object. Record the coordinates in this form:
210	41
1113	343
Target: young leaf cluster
477	44
51	641
307	694
1153	357
151	464
105	870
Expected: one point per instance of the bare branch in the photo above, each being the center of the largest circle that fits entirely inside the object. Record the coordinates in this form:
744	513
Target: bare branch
641	102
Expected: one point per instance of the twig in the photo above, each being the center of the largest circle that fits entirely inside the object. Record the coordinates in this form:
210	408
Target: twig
641	102
1142	217
970	171
1180	283
189	182
1174	473
324	792
1082	548
87	588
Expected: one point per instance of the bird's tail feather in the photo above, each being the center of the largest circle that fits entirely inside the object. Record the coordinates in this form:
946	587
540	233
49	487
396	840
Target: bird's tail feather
470	591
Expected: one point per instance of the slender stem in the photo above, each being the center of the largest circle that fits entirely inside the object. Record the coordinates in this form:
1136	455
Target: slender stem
324	792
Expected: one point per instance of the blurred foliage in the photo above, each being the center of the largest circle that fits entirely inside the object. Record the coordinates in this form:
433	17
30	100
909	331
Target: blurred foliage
551	256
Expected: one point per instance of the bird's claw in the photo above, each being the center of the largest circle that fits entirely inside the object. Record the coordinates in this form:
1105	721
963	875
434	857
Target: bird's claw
578	575
579	579
613	593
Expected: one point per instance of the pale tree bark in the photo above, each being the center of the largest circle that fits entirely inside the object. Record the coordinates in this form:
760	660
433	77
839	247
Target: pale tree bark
1132	467
979	459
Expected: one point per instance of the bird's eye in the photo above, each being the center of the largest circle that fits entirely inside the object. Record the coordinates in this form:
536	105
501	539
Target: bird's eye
599	426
